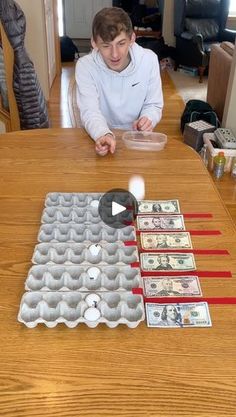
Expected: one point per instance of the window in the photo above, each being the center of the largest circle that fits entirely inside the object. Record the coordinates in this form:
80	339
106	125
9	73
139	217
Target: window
60	18
232	8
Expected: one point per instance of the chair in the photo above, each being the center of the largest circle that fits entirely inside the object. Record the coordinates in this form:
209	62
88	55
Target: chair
221	58
197	25
74	112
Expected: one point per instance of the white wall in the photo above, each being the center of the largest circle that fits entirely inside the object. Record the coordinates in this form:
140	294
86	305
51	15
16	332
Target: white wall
35	39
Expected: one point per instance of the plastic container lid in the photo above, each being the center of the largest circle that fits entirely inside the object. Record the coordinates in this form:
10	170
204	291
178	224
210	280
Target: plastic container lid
144	141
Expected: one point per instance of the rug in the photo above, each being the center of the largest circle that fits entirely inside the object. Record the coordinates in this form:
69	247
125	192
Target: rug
188	86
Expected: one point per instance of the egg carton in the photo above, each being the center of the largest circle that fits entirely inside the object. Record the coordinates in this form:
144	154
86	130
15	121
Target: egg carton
88	200
73	308
78	253
78	233
73	199
86	215
82	278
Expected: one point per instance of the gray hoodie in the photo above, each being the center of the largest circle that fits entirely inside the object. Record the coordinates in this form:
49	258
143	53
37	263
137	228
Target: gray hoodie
114	100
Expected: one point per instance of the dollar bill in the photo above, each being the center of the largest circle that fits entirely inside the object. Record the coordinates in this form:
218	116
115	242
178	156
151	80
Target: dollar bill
180	240
162	206
175	222
178	315
167	262
182	286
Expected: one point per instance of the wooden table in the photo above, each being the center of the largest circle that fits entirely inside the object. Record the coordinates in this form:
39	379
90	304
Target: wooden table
110	372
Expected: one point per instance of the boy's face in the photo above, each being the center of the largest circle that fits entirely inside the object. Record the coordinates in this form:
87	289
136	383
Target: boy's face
115	53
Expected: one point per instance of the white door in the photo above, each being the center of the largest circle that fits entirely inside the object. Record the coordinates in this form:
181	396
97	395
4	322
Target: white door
50	33
79	15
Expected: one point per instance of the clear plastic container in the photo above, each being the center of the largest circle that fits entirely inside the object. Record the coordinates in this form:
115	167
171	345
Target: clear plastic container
144	141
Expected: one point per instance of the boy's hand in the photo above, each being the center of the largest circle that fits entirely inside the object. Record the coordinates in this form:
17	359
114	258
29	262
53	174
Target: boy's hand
143	124
105	144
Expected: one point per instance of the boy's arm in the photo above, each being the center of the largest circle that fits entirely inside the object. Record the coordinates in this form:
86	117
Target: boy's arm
88	103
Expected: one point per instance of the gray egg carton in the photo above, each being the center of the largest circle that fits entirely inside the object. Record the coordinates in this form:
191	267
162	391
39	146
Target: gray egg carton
86	215
72	199
52	308
78	253
81	278
78	233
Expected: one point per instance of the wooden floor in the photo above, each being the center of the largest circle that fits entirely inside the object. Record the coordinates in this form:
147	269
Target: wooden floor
173	108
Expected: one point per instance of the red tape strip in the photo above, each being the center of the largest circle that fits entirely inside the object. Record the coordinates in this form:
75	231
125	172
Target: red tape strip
202	274
195	251
135	265
182	300
130	243
137	291
204	232
197	215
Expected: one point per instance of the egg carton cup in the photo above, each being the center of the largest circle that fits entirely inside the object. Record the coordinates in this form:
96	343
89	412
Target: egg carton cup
73	308
82	278
78	253
73	199
78	233
82	215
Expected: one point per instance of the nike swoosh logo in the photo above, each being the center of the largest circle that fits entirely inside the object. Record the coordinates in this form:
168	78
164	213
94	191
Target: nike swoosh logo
133	85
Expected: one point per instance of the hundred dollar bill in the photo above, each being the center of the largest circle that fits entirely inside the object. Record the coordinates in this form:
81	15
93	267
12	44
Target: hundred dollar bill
167	262
180	240
178	315
168	286
162	206
175	222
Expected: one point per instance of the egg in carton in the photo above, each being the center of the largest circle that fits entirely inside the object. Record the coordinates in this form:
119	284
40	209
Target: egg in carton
80	253
79	233
73	199
73	308
86	215
82	278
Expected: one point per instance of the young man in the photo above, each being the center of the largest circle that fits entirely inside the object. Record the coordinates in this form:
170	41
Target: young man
118	84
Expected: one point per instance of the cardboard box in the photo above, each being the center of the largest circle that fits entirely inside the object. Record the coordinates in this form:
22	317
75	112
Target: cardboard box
230	154
188	70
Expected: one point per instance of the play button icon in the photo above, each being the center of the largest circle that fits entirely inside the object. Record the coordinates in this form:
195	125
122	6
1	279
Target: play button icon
118	208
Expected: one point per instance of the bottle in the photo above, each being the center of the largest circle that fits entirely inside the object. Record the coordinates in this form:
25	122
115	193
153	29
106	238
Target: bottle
219	165
203	154
233	172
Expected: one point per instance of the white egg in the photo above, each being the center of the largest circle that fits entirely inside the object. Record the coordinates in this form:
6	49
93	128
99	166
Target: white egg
137	187
94	203
92	314
95	249
92	299
93	272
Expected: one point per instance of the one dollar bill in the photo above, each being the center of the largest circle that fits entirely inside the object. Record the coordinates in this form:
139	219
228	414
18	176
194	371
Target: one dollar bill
161	206
166	222
167	262
168	286
178	315
180	240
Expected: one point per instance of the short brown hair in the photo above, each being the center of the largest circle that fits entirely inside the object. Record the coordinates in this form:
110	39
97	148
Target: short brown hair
109	22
